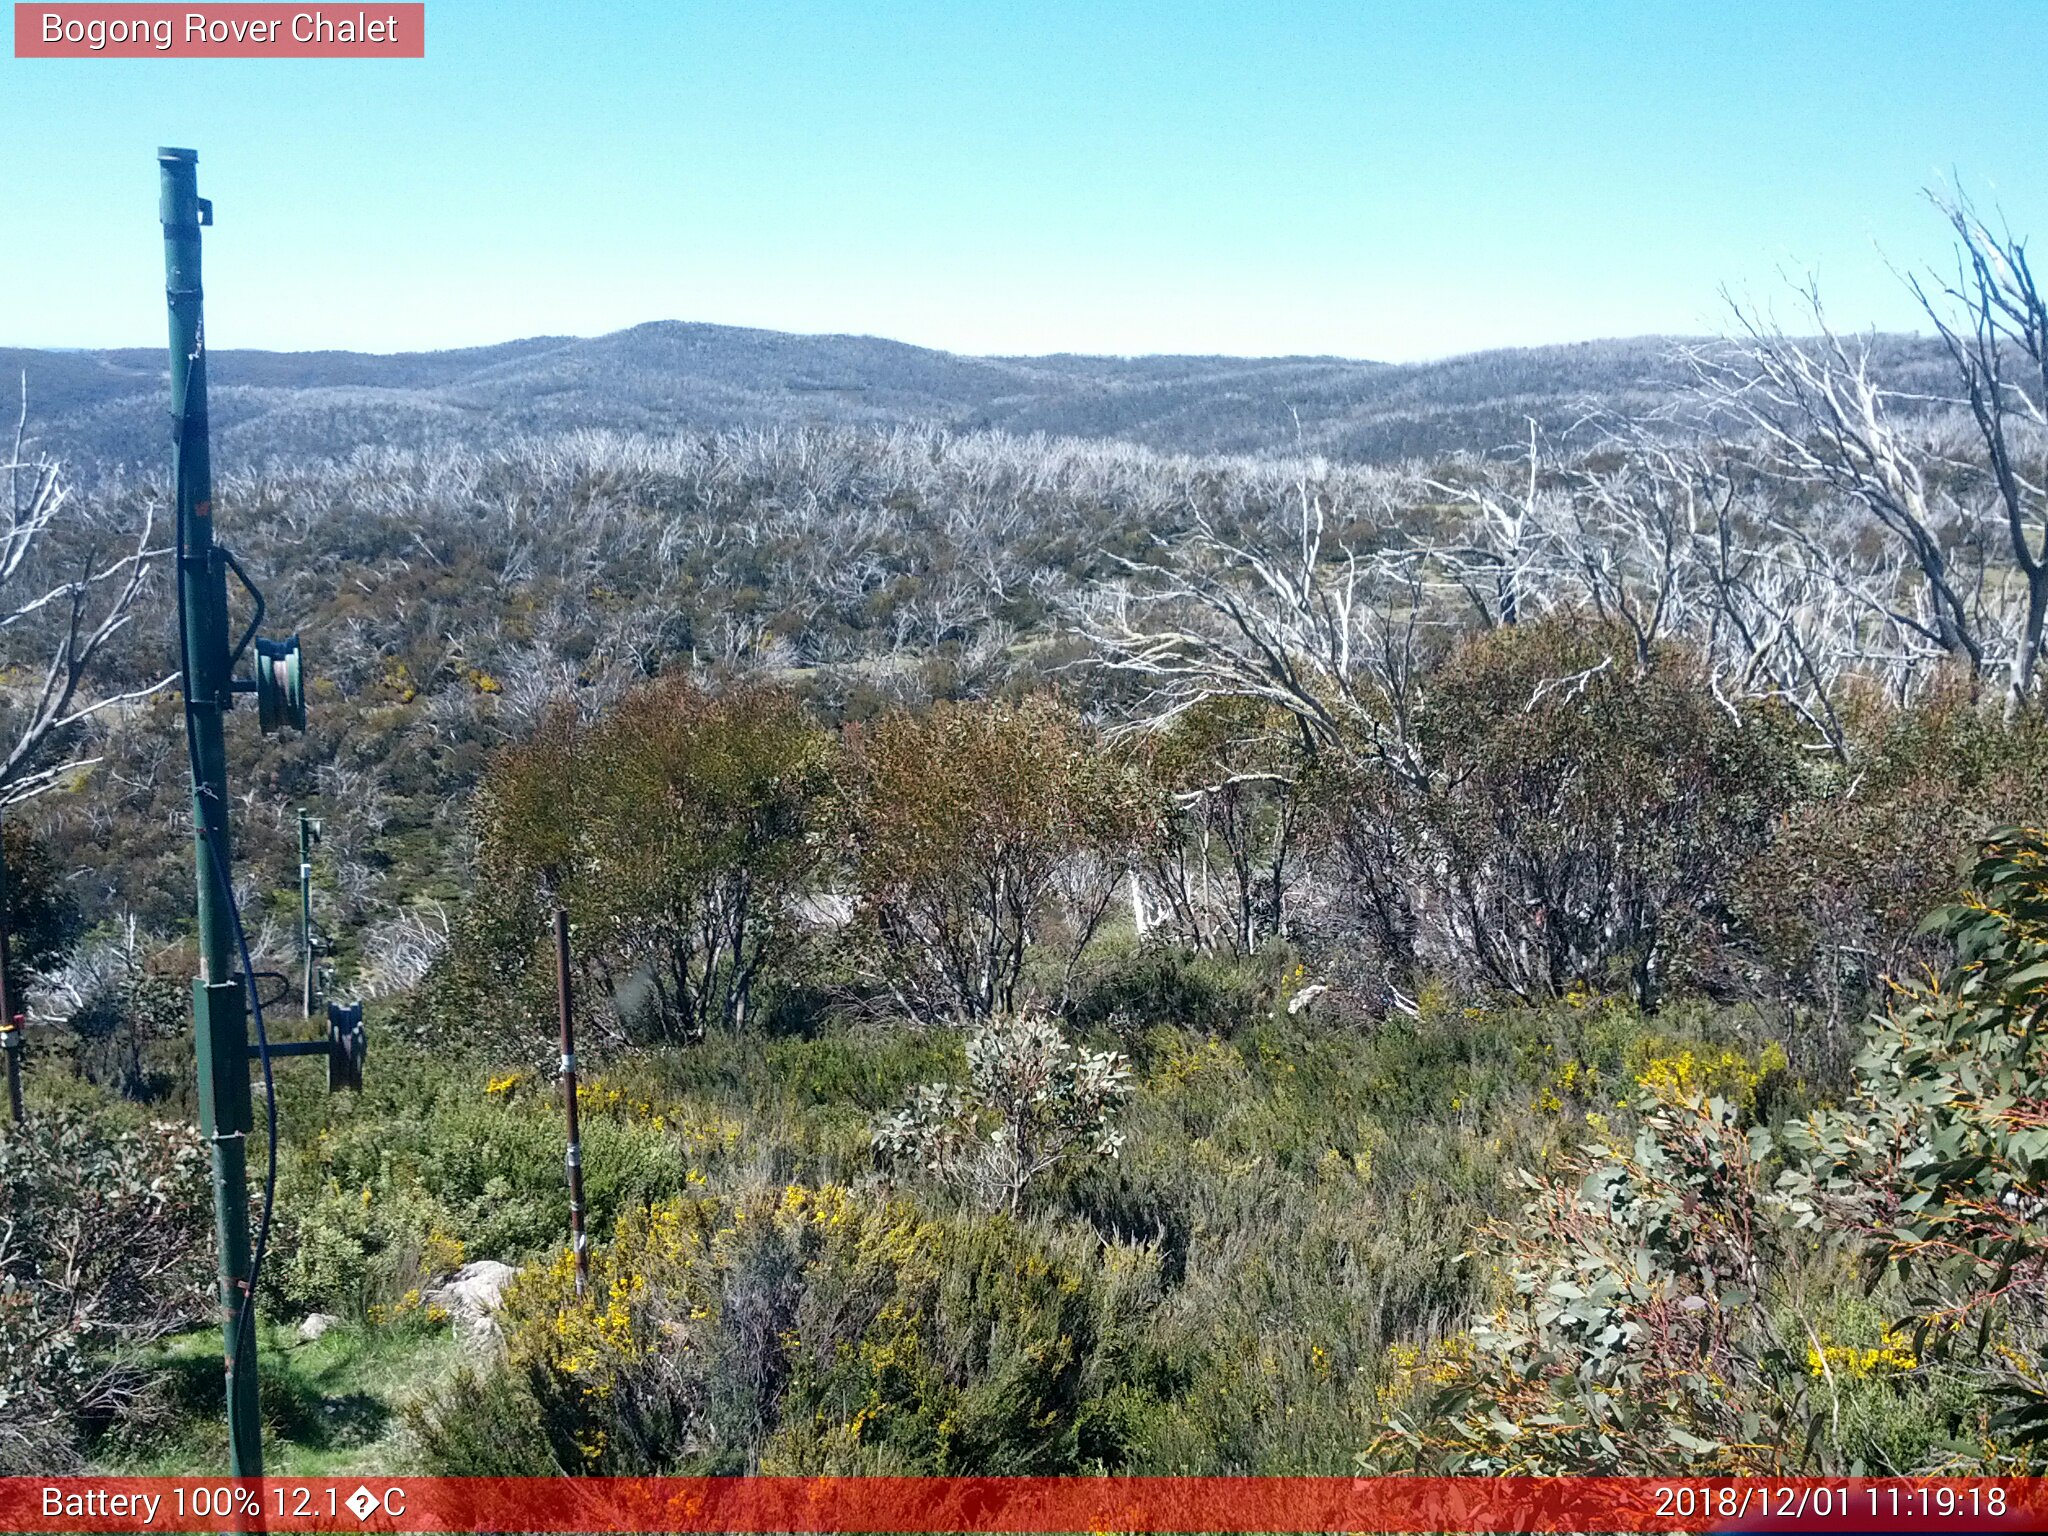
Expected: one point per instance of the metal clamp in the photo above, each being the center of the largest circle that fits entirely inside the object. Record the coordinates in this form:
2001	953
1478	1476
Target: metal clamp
255	620
346	1046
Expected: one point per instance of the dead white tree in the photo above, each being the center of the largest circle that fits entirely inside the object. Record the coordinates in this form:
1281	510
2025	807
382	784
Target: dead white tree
1659	536
1992	320
1498	552
64	598
1671	540
399	951
1332	639
1966	513
1823	423
1784	626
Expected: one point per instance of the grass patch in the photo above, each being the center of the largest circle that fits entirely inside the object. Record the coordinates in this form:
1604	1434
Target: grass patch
332	1406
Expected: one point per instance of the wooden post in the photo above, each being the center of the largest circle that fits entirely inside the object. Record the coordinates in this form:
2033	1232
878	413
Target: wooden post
578	1242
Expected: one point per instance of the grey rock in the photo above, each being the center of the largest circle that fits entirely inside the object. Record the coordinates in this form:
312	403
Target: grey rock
471	1297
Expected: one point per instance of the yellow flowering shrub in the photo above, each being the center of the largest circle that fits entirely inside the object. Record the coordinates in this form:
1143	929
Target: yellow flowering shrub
1673	1077
1824	1360
813	1329
1418	1369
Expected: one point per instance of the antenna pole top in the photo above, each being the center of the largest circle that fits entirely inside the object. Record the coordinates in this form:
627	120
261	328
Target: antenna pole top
181	207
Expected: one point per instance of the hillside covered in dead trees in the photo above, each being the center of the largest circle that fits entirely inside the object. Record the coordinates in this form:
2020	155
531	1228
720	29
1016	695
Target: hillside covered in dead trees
1523	956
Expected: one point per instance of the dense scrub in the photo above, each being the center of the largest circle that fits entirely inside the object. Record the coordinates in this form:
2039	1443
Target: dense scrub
1089	960
780	927
102	1248
1327	1221
1291	1209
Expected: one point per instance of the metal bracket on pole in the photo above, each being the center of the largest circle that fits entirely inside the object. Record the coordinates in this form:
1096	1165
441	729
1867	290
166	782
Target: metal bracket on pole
344	1047
12	1043
220	1013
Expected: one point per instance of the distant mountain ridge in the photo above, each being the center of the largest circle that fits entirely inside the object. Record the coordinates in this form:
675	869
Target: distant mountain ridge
107	407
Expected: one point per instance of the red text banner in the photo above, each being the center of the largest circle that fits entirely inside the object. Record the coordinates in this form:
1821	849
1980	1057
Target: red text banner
115	31
1022	1504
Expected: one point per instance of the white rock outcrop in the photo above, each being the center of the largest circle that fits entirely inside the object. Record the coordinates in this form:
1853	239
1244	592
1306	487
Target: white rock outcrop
471	1297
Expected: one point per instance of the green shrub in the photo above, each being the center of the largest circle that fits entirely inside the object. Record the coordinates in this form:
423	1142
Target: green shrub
1230	797
1834	903
681	830
1940	1163
436	1168
988	845
108	1249
1632	1338
43	917
1155	984
812	1330
481	1422
128	1035
1566	815
1678	1303
1032	1103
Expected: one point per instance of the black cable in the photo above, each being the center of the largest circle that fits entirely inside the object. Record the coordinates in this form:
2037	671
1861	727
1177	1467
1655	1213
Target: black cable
256	1252
217	856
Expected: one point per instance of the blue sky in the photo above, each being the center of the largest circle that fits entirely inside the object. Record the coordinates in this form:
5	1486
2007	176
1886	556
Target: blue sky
1394	180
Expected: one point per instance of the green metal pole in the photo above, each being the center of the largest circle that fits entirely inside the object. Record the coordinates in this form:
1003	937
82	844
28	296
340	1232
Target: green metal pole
220	1026
306	903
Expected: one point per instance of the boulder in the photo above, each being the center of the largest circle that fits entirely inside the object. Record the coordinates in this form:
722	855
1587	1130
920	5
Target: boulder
471	1296
314	1324
1306	996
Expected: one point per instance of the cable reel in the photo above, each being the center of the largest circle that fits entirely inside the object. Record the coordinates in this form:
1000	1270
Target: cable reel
280	686
279	680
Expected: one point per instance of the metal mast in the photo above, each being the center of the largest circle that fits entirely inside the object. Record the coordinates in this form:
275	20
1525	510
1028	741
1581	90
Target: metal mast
223	993
220	1026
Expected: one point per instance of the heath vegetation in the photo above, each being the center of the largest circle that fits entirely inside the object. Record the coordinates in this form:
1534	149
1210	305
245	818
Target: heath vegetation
1090	957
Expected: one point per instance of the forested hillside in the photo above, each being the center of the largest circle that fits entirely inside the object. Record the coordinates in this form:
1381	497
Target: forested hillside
107	407
1495	934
